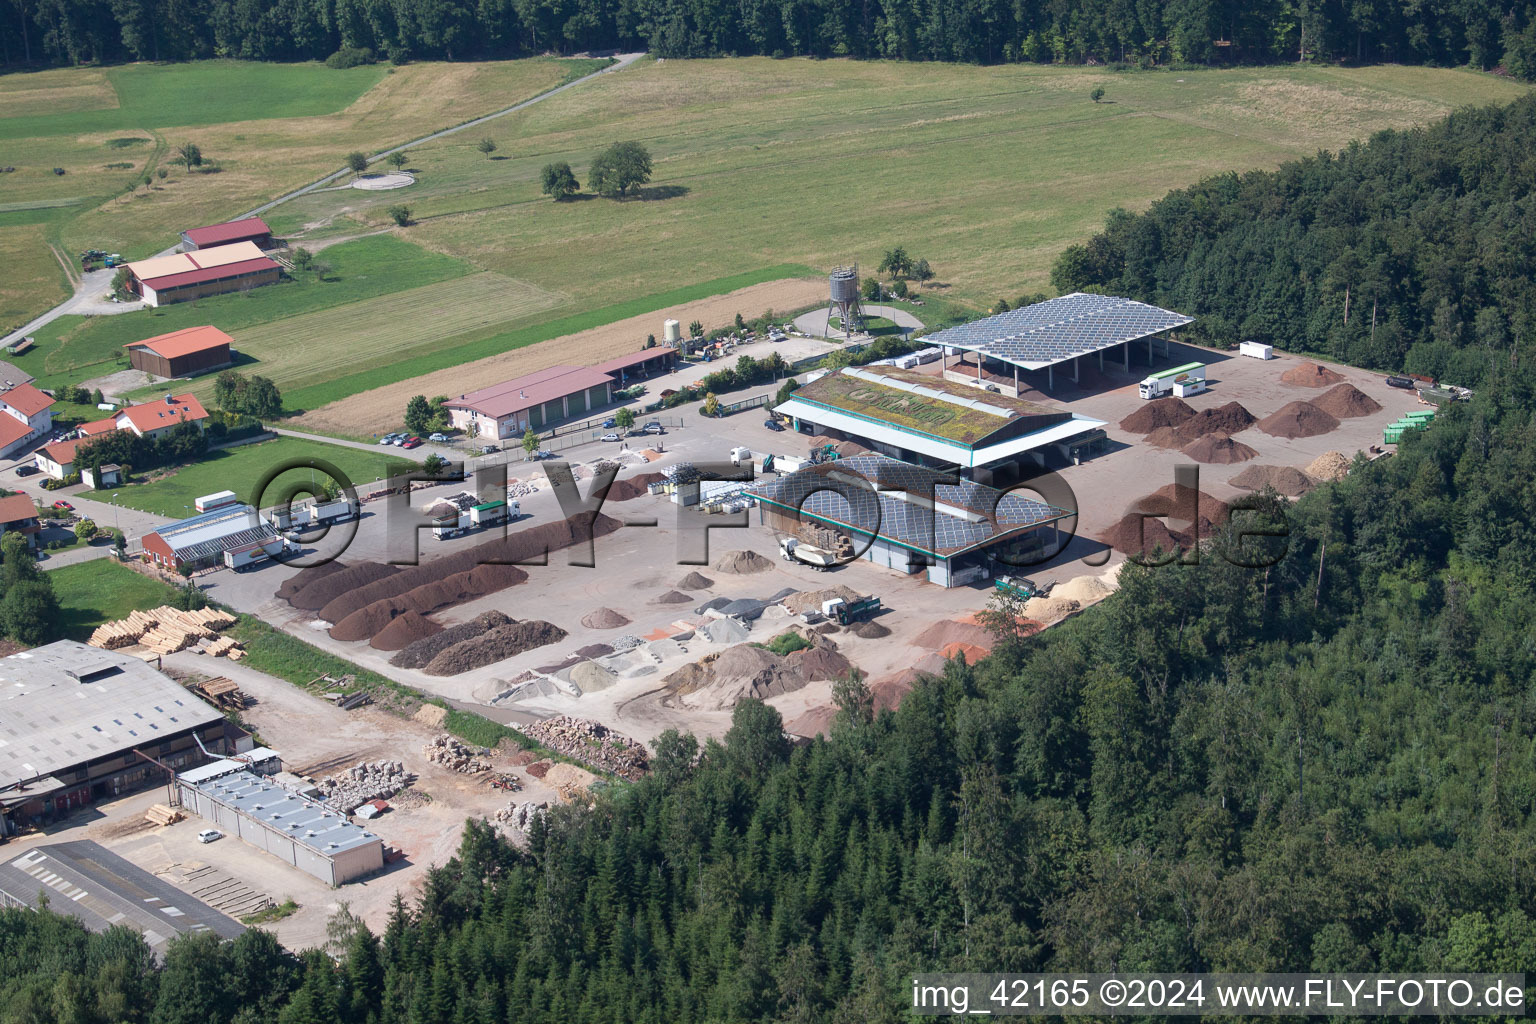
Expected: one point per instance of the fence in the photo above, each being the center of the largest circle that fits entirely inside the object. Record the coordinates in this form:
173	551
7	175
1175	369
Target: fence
750	403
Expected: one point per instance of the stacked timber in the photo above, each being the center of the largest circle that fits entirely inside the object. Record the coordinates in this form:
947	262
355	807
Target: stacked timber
160	814
124	632
163	630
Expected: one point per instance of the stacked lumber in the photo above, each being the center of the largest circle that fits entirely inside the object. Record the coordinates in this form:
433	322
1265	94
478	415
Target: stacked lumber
160	814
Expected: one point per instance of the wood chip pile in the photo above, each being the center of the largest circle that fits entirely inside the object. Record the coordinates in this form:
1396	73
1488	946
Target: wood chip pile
166	630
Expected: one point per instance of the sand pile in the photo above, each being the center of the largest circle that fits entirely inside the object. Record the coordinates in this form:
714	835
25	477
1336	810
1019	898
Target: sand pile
952	631
633	487
810	600
1133	534
1085	590
722	681
406	629
871	630
417	654
816	721
1049	610
1298	419
494	645
817	663
695	581
604	618
671	597
742	562
1219	449
1287	480
1161	412
1346	401
1311	375
1328	466
316	594
1231	418
590	678
304	577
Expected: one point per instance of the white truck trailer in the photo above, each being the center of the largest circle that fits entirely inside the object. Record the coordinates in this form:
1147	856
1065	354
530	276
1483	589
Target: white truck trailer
477	517
1188	379
304	517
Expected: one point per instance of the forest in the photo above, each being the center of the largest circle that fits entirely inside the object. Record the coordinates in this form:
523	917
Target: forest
1413	251
1481	33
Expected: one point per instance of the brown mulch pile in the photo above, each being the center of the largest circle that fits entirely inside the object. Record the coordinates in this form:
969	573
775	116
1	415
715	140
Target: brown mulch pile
819	663
1173	500
429	597
405	630
633	487
539	769
1346	401
871	630
671	597
1231	418
494	645
1162	412
419	653
1165	437
604	618
1219	449
1287	480
1134	534
695	581
1298	419
304	577
318	593
1311	375
742	563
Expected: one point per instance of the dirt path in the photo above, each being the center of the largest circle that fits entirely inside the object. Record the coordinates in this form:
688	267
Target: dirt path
379	410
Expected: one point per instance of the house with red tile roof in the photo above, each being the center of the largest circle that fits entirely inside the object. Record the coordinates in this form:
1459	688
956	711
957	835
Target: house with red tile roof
25	413
153	419
19	515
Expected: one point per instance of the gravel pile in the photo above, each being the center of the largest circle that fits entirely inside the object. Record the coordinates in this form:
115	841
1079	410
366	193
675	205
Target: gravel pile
871	630
455	756
671	597
604	618
419	653
816	663
494	645
592	743
625	642
365	781
720	682
741	563
695	581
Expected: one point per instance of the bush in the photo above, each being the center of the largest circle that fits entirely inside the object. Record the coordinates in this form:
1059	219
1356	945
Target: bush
59	171
400	214
787	643
399	55
86	529
350	57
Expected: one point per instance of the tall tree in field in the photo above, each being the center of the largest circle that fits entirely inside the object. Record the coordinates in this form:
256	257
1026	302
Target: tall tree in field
560	181
189	154
397	159
619	168
896	262
486	146
357	162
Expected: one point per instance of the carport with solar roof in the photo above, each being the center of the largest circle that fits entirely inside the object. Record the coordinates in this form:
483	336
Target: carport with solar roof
1057	332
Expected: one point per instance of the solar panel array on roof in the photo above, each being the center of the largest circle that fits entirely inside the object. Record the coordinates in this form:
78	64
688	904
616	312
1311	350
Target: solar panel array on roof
1060	329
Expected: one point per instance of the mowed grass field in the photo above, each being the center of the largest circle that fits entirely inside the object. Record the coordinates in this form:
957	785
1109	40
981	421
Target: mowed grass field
988	172
98	591
241	469
270	127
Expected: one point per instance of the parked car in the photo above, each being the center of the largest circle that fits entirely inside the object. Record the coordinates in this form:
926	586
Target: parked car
610	422
773	424
209	835
63	506
388	439
411	442
654	427
610	437
28	470
491	449
437	438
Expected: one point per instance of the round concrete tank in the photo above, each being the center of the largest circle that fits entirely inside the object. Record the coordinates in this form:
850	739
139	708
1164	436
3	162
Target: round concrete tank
672	331
845	285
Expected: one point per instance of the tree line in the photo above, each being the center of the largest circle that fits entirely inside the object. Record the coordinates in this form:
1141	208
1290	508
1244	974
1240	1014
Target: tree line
1483	33
1414	251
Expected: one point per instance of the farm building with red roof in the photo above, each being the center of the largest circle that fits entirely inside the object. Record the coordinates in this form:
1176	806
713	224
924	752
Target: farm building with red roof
182	353
192	275
250	229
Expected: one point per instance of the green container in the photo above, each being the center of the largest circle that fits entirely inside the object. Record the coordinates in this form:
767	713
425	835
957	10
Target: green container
1420	414
1391	435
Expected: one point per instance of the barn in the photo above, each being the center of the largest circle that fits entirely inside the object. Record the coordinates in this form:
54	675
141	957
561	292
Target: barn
192	275
182	353
250	229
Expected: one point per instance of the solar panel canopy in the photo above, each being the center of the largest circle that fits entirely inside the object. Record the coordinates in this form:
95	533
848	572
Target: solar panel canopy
1060	329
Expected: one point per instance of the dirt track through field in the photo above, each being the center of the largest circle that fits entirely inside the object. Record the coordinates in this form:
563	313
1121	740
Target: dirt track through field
380	409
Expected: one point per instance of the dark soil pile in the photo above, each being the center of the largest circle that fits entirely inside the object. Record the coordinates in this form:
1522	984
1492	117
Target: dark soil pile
1177	502
1311	375
417	654
695	581
633	487
1163	412
671	597
304	577
1298	419
1346	402
604	618
319	593
1219	449
368	621
1223	419
405	630
819	663
539	769
593	651
871	630
1133	535
1166	437
1287	480
494	645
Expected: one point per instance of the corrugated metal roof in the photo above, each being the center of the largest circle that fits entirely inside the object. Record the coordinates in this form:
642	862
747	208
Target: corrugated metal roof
184	342
309	823
633	359
202	259
213	533
216	234
1059	329
524	392
65	703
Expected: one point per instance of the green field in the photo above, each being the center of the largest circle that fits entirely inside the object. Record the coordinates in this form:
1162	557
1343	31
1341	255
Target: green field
988	172
241	469
91	593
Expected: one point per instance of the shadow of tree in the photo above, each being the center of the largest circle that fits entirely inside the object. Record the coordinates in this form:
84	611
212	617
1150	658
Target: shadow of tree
657	192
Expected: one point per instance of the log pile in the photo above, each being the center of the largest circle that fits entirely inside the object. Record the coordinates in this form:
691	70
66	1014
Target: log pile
455	756
165	630
160	814
223	693
592	743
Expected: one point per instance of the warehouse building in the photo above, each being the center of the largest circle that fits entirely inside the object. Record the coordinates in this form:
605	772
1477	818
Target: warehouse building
312	836
984	436
204	540
25	415
182	353
79	724
251	229
994	351
639	366
532	402
903	517
102	890
161	280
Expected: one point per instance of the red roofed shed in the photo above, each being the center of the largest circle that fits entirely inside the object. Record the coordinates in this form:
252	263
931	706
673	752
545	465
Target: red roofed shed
251	229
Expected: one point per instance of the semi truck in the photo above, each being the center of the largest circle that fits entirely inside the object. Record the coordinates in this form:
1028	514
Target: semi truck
477	517
850	611
819	559
1188	379
303	517
1021	587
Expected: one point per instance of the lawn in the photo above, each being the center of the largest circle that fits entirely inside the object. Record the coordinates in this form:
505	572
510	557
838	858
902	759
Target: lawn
241	469
98	591
72	349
